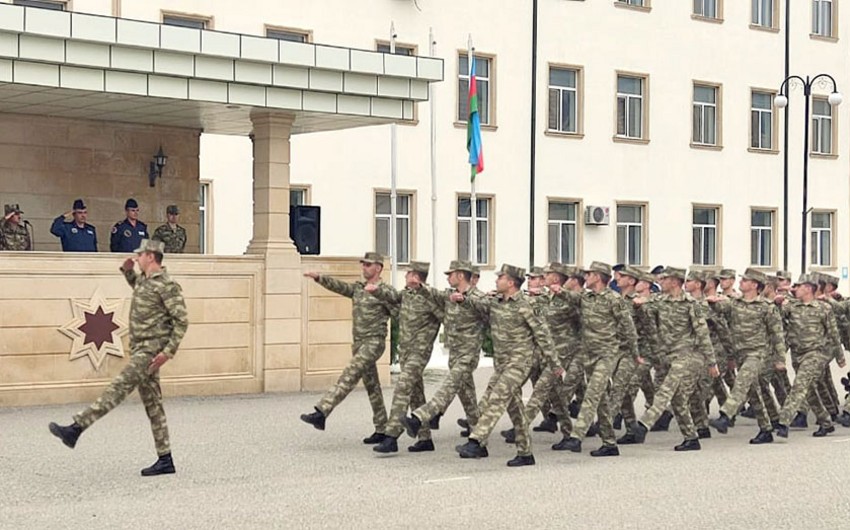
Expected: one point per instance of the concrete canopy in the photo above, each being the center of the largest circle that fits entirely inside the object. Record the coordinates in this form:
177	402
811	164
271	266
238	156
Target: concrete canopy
75	65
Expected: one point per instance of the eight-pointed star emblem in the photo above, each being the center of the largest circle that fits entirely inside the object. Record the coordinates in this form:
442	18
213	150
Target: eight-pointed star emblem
96	329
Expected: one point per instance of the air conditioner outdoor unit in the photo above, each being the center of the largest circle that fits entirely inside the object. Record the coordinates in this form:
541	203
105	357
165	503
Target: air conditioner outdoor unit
597	215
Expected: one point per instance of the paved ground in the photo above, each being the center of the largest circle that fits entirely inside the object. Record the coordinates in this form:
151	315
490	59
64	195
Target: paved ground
248	462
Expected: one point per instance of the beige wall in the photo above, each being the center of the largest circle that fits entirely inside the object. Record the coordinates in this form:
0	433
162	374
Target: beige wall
46	163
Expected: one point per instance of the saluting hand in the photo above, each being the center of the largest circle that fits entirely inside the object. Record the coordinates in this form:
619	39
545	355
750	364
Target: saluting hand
157	362
128	265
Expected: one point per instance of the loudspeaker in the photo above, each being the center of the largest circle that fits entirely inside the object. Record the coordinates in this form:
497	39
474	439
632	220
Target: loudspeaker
304	223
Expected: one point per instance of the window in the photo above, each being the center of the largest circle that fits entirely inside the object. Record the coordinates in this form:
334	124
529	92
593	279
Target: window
401	49
630	232
706	8
562	232
638	3
58	5
186	21
205	218
821	239
761	121
704	229
482	77
630	106
563	99
382	225
297	196
483	209
705	115
761	238
821	126
762	13
293	35
822	18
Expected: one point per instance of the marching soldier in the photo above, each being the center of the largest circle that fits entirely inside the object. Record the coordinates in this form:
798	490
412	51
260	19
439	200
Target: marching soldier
171	233
158	322
369	331
13	233
75	235
128	234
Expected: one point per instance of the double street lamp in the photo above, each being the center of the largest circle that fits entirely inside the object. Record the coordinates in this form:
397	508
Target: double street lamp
781	101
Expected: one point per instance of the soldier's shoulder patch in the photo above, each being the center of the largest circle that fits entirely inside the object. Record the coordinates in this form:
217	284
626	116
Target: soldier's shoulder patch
115	229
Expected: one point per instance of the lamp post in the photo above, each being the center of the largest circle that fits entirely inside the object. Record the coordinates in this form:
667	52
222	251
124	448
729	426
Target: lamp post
781	101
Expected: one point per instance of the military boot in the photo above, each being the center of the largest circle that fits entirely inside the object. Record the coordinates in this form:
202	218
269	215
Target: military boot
763	437
663	423
375	438
844	419
720	424
688	445
781	430
316	419
163	466
703	433
421	446
574	409
800	421
627	439
472	449
593	430
823	431
748	412
68	434
510	436
568	444
549	424
521	460
387	445
618	422
412	424
639	432
434	423
606	450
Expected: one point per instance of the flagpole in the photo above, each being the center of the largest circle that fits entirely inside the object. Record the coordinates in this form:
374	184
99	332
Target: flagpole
473	235
433	108
393	176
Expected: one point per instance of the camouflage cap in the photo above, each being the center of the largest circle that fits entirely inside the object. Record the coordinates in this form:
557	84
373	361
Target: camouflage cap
830	279
535	272
150	245
372	257
9	208
599	267
421	267
631	271
695	276
673	272
476	270
172	209
784	275
807	278
459	265
754	275
647	277
559	268
517	273
726	274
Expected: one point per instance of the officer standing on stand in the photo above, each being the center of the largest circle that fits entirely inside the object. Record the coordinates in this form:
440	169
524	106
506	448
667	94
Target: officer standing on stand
171	233
13	233
129	233
76	235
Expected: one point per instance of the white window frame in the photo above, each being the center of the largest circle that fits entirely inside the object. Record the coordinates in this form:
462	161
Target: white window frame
628	227
55	5
464	223
760	9
699	234
762	233
485	85
562	92
822	123
703	9
193	21
756	134
205	217
629	100
823	18
816	238
698	116
404	225
560	225
303	192
288	34
382	46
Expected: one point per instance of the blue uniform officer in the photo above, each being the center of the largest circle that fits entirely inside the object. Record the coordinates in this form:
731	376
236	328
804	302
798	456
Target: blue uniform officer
76	235
128	234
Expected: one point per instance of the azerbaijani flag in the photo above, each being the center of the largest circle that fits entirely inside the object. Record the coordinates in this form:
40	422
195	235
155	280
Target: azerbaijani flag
473	126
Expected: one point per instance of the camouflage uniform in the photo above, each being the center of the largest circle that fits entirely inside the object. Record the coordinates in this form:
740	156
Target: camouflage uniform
683	337
756	330
420	314
464	334
174	238
158	322
517	330
606	324
14	236
707	386
813	337
369	339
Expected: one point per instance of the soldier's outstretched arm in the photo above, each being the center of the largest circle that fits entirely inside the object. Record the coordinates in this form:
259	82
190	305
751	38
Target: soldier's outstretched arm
330	283
387	294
